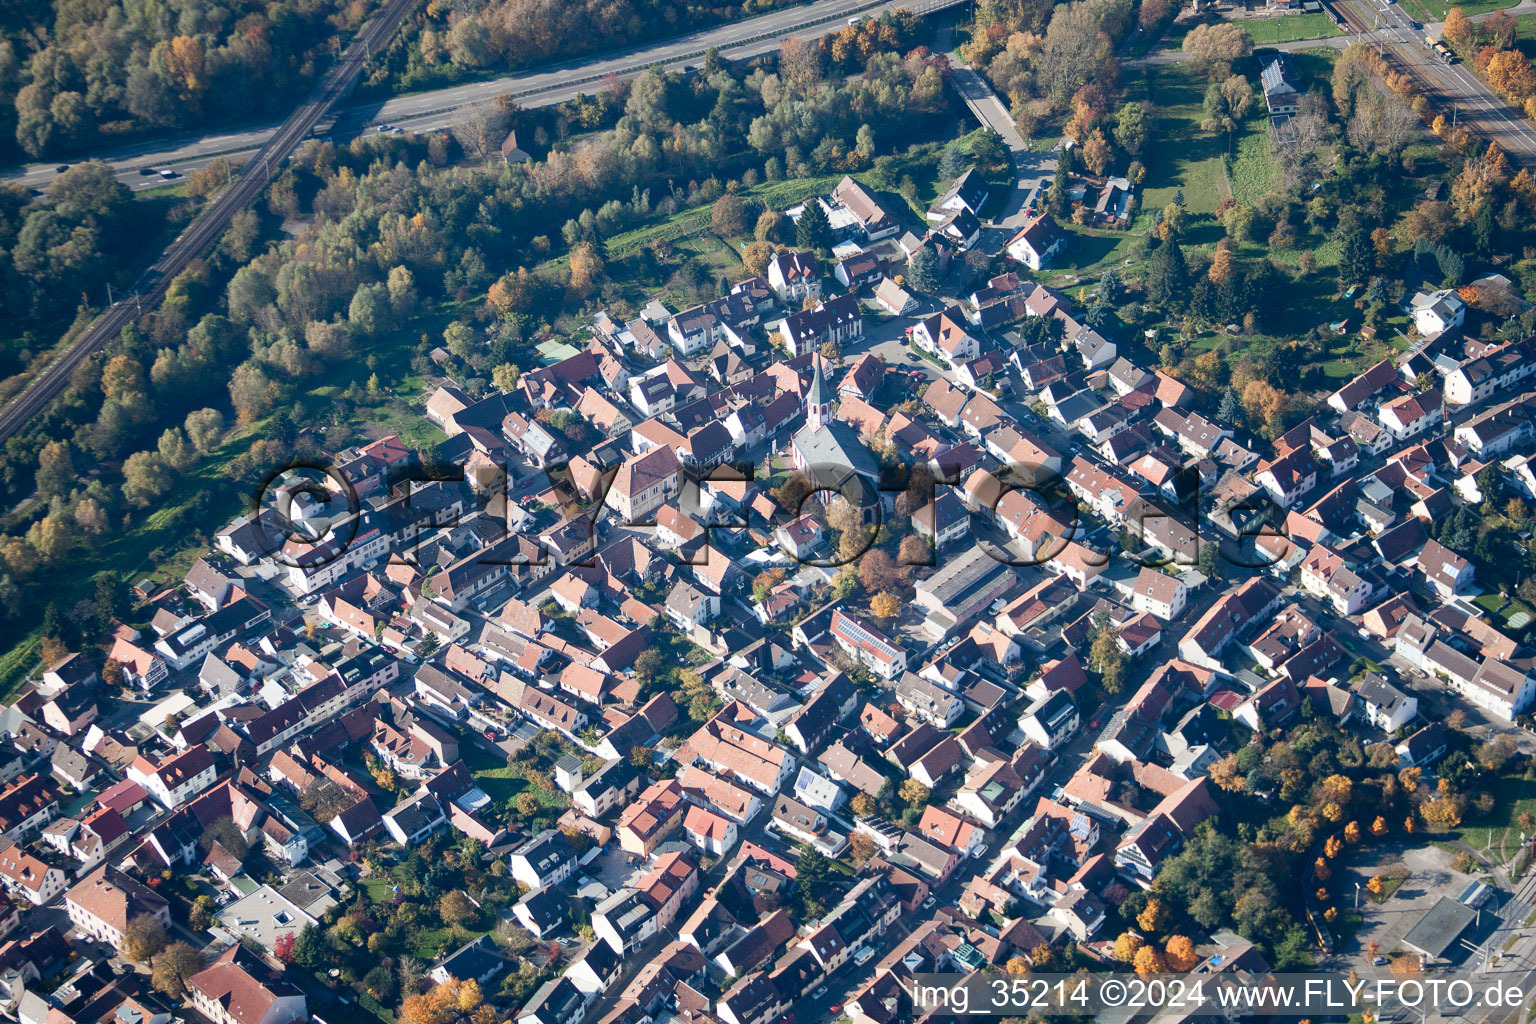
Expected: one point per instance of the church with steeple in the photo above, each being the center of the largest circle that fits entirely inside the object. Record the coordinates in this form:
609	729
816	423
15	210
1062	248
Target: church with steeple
829	452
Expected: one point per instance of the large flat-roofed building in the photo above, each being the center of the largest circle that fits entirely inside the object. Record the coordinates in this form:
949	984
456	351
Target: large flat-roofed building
1439	928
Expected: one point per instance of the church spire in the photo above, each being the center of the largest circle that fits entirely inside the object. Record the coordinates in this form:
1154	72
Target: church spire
818	402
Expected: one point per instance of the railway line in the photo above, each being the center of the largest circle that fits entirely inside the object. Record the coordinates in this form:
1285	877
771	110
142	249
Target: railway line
1449	87
201	234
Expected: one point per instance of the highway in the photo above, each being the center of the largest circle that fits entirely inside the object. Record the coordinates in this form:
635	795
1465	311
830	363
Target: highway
1450	87
440	108
210	224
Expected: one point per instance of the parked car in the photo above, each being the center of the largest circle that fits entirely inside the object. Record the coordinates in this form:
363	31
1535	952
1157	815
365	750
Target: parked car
1380	961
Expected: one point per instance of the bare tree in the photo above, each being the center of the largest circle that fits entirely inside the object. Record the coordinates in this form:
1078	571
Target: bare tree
482	132
1382	123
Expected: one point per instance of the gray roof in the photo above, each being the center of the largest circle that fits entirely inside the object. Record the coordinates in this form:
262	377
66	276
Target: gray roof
1439	928
835	445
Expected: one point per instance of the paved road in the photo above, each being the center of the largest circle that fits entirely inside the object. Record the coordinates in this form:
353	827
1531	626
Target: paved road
440	108
210	224
1449	85
1032	171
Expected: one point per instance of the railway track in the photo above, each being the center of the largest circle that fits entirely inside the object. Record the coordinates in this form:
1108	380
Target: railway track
210	224
1450	88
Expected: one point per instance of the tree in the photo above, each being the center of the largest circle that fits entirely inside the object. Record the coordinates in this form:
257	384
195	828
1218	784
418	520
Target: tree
55	469
1153	916
587	268
1442	813
1214	47
878	572
1356	257
1375	885
1127	945
814	230
885	605
1227	775
1167	276
369	310
309	949
143	938
1180	953
174	966
1496	753
174	448
1149	961
914	551
401	286
1226	105
455	909
923	269
1096	152
202	912
1131	129
728	218
483	130
204	428
769	227
145	477
1106	657
914	793
1458	30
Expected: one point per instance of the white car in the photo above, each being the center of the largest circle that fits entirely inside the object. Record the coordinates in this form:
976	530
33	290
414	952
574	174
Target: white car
928	904
980	851
819	992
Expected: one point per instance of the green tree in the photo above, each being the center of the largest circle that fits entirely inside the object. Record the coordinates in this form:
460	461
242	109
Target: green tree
1167	282
369	309
1357	257
813	230
1131	129
55	469
309	949
145	477
923	269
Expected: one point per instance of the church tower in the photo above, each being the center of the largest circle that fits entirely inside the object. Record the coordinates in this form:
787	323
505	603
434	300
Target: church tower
818	400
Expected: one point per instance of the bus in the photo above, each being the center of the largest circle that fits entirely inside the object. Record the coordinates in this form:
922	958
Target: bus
1440	49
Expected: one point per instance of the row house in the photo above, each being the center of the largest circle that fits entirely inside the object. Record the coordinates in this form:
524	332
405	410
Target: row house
867	645
831	322
1477	379
176	779
1500	428
188	646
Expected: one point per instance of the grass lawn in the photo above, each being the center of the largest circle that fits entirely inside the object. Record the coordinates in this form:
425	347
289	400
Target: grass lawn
1391	881
379	888
1289	28
1434	10
1513	797
510	781
1252	168
1515	613
1194	163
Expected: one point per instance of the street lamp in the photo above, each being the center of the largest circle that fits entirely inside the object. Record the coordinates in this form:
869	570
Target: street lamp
1357	895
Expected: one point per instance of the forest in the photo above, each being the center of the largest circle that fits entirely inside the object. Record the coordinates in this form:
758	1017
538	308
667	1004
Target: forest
79	74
